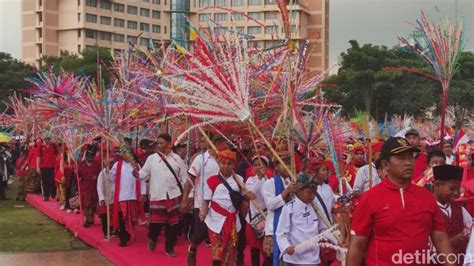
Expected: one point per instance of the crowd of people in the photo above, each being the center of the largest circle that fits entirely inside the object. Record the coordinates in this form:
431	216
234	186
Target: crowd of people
404	195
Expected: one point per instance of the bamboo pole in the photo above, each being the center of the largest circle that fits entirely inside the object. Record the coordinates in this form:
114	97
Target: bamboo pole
274	153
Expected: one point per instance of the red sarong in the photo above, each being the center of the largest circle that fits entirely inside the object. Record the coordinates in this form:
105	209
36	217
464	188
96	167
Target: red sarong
165	211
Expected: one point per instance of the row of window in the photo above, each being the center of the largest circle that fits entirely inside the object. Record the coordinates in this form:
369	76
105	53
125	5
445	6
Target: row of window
104	20
252	30
144	12
271	15
264	44
221	3
107	36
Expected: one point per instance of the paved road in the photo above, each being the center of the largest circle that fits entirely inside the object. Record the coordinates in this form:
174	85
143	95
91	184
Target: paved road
69	258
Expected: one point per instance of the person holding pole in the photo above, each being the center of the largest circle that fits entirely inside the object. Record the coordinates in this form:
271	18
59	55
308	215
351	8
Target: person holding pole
88	173
202	168
166	172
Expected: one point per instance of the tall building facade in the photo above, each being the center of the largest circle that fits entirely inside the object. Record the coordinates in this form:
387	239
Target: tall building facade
51	26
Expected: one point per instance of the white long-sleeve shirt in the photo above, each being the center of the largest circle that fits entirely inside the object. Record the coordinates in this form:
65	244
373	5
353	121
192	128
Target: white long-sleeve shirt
163	184
127	184
221	196
202	167
272	202
254	185
298	223
105	191
361	182
327	195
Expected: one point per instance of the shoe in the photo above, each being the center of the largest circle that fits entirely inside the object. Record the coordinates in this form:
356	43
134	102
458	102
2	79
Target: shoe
10	182
151	245
62	207
86	224
123	244
170	253
76	210
191	257
68	211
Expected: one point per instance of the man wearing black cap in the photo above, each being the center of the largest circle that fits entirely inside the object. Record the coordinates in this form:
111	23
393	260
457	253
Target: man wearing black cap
457	220
421	163
395	219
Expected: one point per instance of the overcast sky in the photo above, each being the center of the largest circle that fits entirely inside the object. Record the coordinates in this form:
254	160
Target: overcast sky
367	21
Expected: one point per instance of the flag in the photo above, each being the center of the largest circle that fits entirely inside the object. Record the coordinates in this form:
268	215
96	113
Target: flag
181	49
460	137
192	34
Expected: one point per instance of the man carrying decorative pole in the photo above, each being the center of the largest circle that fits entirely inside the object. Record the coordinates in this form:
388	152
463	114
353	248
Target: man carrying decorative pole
223	199
88	172
202	168
166	172
276	192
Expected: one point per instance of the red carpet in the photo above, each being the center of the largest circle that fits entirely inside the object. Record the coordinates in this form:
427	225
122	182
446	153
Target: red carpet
136	253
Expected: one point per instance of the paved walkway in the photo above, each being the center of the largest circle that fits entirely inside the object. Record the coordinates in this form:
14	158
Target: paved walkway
69	258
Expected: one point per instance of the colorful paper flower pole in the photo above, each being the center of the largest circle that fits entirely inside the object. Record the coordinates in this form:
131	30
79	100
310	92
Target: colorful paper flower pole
440	45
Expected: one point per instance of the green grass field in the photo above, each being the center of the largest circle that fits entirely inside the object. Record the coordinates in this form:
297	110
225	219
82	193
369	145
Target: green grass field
24	229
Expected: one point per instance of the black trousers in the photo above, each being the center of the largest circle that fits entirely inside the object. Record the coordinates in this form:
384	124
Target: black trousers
200	232
47	179
242	243
171	233
187	225
2	189
124	236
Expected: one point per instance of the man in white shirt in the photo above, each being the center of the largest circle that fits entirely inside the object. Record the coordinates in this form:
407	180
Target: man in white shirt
220	212
125	212
362	181
202	167
105	191
298	223
275	200
457	220
165	191
324	201
448	152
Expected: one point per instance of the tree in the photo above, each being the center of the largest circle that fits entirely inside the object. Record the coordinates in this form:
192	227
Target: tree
13	74
84	65
363	84
461	92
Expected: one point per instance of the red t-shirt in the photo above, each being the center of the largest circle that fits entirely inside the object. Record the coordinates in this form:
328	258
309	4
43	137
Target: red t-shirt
48	156
32	156
420	166
392	227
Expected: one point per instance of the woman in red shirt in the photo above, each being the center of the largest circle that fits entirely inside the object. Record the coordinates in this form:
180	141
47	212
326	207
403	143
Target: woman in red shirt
32	180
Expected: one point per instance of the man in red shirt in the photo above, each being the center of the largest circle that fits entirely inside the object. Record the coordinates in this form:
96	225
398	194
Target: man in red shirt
421	162
47	160
394	220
